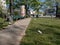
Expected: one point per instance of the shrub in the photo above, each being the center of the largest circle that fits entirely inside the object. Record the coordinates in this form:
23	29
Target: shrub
3	23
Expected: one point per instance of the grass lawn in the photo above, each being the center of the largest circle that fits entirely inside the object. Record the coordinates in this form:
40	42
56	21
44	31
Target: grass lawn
50	29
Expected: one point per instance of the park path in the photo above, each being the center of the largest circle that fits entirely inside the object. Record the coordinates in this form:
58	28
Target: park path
13	34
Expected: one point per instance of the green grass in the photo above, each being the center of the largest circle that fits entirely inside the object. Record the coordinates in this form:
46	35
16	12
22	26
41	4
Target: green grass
50	32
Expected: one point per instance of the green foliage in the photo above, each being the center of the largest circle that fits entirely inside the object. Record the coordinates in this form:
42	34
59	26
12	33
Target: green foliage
57	1
3	23
16	13
7	2
1	20
58	11
0	7
34	4
27	16
50	3
30	3
50	32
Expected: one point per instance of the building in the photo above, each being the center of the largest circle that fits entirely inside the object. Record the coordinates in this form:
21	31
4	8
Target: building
50	11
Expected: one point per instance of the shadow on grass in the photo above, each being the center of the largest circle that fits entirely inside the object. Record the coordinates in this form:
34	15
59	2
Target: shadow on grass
35	42
51	29
52	26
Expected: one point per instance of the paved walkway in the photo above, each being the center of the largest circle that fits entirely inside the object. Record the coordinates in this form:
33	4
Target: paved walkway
13	34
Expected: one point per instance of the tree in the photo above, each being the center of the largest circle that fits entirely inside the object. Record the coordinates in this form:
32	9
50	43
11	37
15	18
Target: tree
33	4
50	3
10	2
0	8
11	10
57	8
56	2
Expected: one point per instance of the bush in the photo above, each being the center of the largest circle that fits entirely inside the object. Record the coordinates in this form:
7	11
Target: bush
26	16
1	20
3	23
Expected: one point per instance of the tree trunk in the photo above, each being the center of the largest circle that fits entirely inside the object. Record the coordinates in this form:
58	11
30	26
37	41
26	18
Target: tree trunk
11	11
27	11
56	10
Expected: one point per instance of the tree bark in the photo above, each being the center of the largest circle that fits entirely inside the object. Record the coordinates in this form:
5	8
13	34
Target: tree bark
56	10
11	11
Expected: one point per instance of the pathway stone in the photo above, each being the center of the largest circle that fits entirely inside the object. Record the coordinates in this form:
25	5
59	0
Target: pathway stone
13	34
